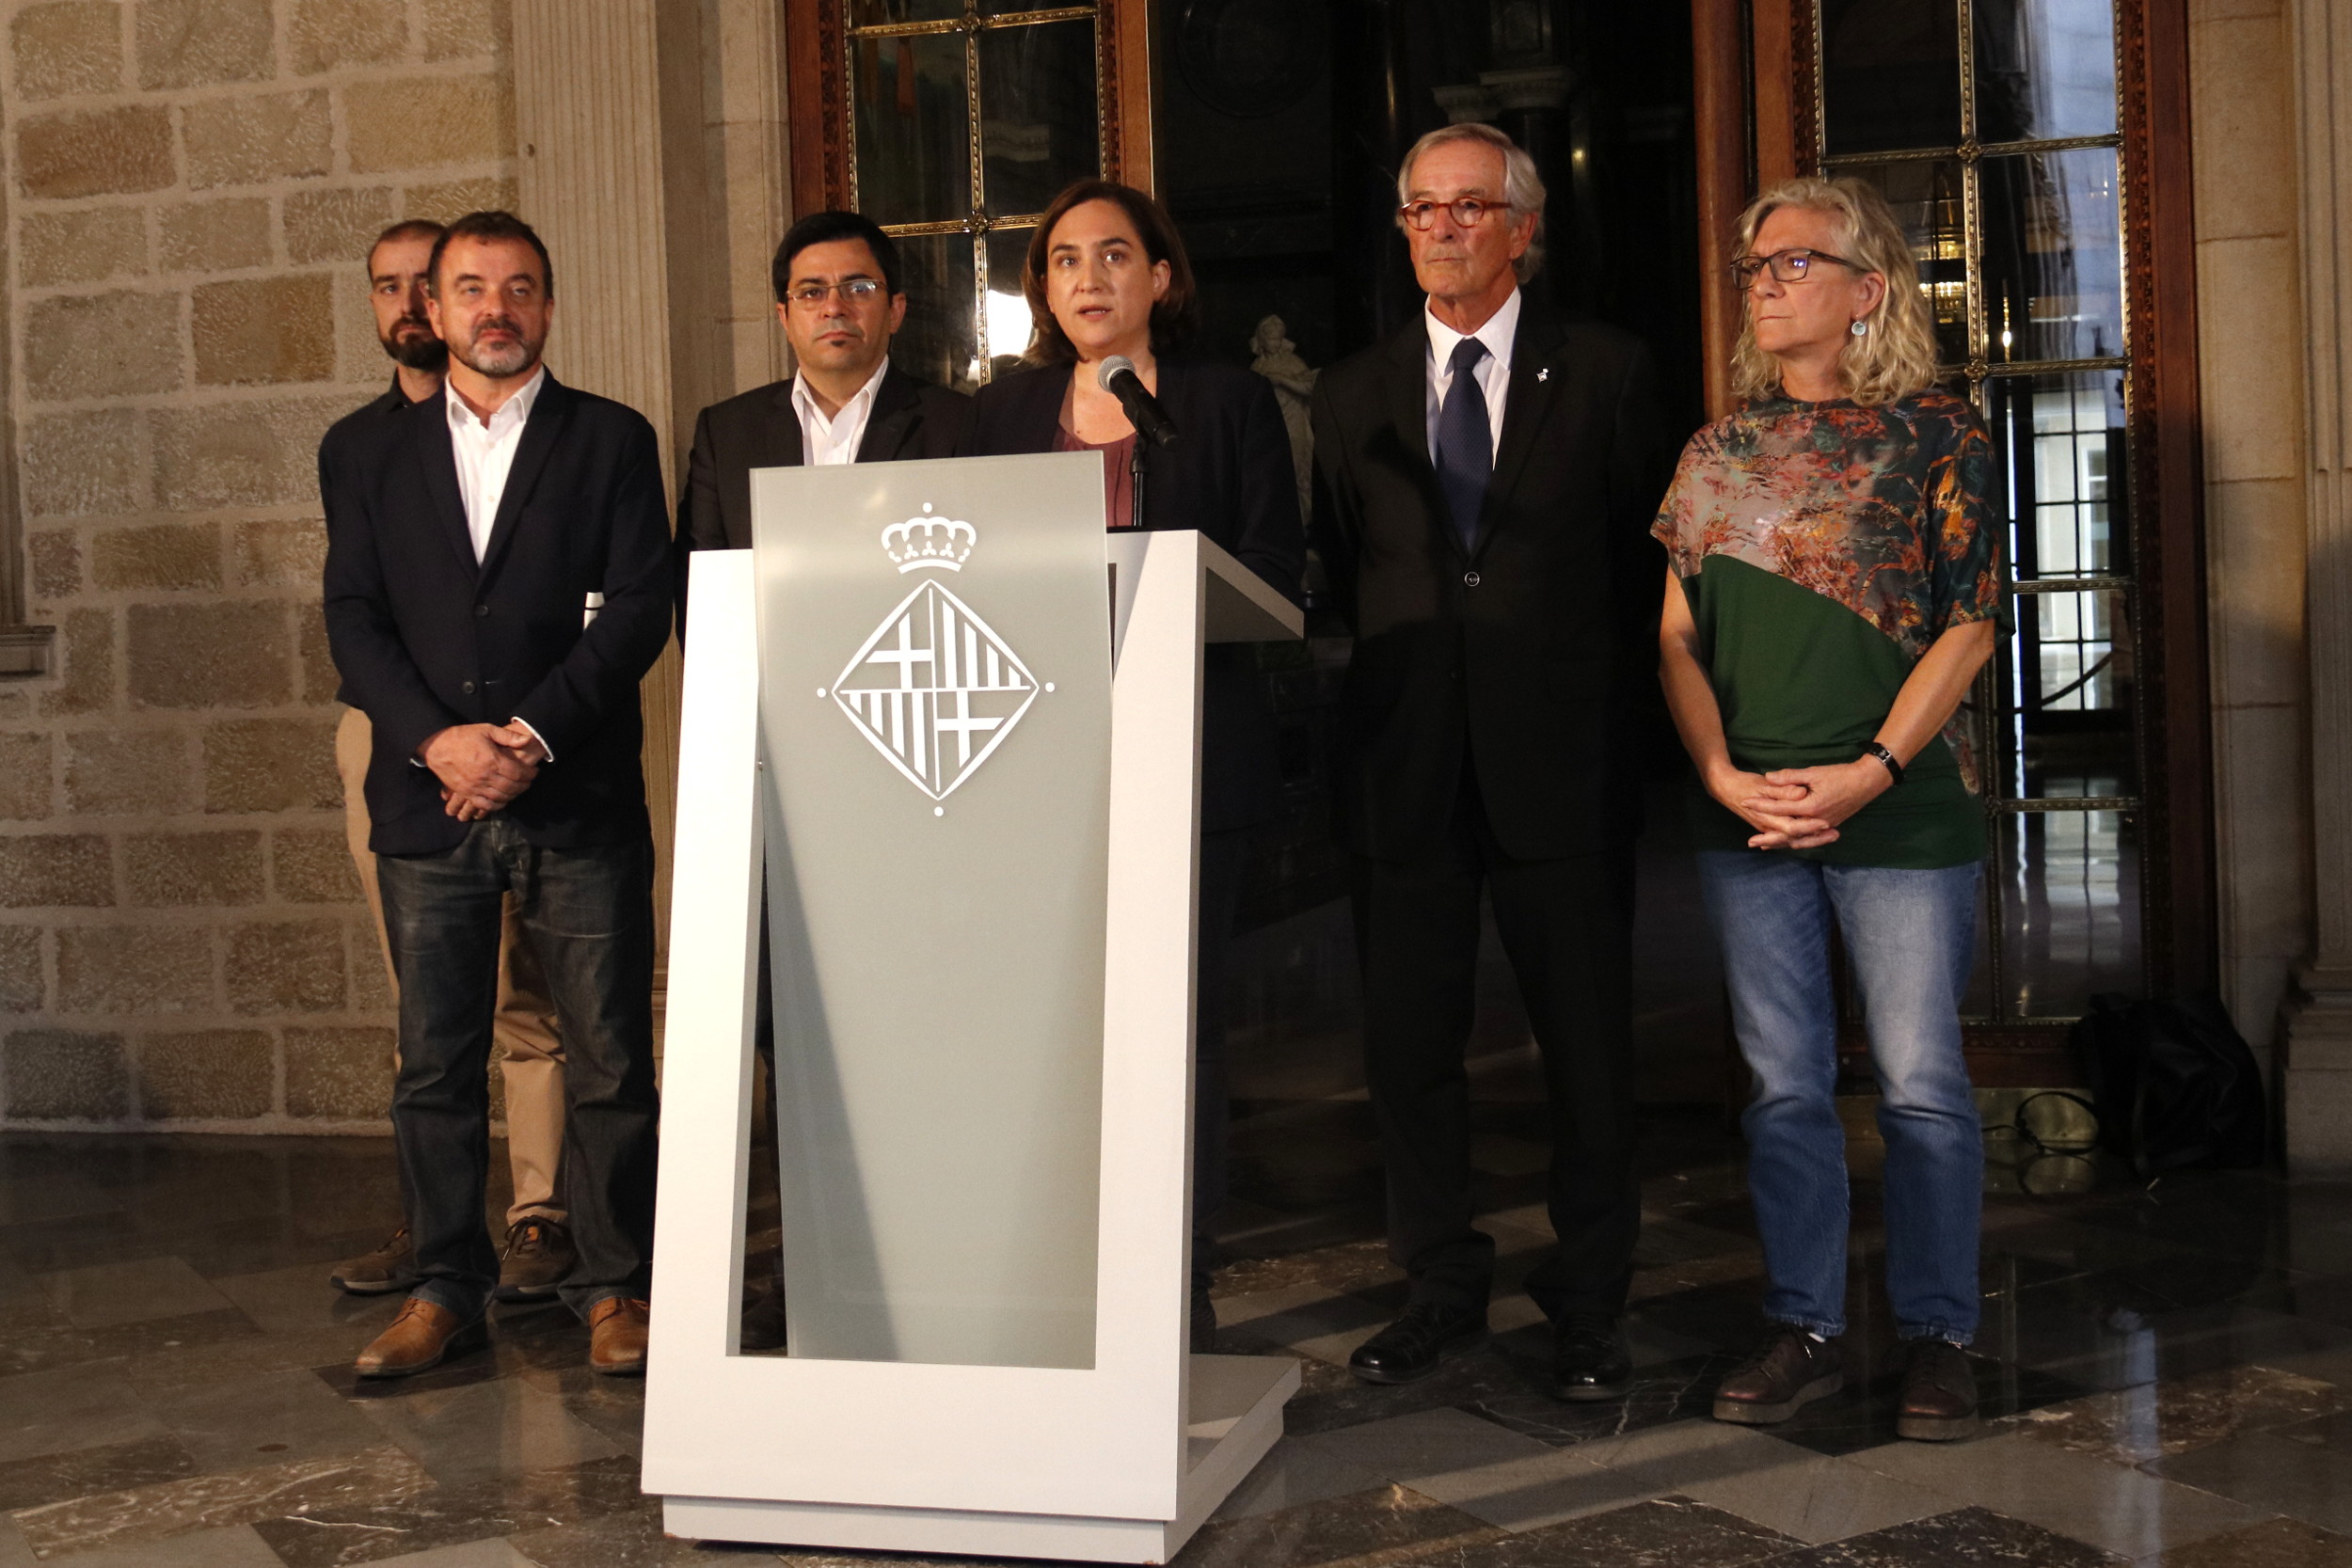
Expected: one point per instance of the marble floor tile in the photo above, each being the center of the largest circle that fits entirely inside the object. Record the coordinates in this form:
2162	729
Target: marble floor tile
1295	1472
1780	1485
502	1427
2108	1506
1674	1530
105	1294
496	1552
78	1472
2304	1470
232	1546
632	1538
45	1348
297	1299
383	1477
53	1412
332	1534
14	1552
2154	1421
614	1406
1508	1480
1967	1538
2272	1543
282	1418
1389	1524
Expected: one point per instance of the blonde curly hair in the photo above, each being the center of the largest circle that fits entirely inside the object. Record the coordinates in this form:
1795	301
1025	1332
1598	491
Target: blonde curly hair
1897	356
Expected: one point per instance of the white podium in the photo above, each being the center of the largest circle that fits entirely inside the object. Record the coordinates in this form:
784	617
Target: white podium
1068	1422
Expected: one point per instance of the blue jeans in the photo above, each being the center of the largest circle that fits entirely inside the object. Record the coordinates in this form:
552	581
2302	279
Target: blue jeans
1911	941
588	915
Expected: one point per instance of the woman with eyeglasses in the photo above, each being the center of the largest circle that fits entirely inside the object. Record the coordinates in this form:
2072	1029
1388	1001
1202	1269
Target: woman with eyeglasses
1106	276
1833	591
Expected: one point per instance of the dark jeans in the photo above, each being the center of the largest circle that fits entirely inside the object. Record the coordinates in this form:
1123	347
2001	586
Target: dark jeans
1566	926
588	915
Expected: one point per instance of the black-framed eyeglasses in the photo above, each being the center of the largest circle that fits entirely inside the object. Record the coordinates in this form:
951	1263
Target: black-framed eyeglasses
1464	213
854	291
1788	266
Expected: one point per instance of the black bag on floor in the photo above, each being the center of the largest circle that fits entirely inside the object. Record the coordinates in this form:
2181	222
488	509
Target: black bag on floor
2173	1084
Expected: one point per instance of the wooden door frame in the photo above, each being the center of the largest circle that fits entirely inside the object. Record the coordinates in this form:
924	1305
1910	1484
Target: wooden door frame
1755	104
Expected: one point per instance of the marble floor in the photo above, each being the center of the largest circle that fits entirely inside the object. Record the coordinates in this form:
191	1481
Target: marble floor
2170	1374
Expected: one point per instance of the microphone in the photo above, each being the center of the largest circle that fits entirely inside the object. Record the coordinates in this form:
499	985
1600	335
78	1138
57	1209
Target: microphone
1118	377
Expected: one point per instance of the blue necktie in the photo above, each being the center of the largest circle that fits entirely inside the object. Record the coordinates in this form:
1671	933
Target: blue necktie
1466	443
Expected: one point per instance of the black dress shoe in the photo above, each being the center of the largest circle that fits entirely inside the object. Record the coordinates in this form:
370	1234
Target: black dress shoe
1589	1359
1410	1348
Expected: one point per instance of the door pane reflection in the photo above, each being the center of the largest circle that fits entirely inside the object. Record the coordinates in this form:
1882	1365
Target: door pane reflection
2069	688
936	342
1891	74
1038	126
2069	908
2053	257
913	136
2045	68
2062	470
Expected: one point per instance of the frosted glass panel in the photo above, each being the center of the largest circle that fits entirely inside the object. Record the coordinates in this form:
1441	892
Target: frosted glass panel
935	725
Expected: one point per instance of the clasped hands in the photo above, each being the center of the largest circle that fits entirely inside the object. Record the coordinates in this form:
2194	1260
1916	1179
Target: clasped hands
482	767
1798	808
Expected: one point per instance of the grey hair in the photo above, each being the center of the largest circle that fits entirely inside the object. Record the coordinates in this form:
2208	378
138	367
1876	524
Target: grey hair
1522	187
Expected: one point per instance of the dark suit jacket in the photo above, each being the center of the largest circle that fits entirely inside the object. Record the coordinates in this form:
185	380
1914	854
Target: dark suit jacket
425	638
1228	474
760	429
336	446
1539	651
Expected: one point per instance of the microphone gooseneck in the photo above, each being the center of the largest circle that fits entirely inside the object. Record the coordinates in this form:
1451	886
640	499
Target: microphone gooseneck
1118	377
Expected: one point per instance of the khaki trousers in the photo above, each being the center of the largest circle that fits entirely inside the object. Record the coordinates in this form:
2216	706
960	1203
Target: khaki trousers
531	1056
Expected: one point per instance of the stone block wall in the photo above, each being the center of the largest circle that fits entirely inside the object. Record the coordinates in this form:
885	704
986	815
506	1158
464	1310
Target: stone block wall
190	187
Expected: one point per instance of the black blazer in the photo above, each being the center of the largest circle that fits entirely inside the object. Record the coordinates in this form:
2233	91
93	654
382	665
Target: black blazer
1229	475
1539	651
760	429
425	638
337	448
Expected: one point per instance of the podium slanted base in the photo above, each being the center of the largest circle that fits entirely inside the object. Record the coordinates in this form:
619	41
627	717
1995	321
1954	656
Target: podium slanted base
1236	1415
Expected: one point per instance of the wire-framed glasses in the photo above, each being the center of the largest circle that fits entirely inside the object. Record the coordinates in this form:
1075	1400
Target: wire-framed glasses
1788	266
854	291
1464	213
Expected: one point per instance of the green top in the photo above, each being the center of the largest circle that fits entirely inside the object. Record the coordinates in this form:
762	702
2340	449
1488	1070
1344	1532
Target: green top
1824	548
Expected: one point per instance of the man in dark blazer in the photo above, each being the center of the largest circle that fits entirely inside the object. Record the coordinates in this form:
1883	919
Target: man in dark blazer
497	581
1486	481
838	297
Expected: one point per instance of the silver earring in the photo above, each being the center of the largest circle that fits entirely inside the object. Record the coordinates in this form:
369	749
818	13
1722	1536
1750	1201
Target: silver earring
1861	327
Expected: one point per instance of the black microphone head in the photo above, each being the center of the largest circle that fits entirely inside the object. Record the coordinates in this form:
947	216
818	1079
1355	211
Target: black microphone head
1118	364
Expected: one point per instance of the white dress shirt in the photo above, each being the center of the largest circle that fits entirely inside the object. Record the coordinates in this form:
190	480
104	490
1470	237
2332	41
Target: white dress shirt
1493	372
828	441
485	451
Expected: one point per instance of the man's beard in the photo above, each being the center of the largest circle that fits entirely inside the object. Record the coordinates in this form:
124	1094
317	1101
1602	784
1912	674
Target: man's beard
512	359
418	350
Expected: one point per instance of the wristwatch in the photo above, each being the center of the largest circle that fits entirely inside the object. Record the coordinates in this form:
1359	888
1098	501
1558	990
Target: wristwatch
1894	767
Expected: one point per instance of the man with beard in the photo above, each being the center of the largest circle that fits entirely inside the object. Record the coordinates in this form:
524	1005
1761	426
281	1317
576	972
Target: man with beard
498	582
538	1249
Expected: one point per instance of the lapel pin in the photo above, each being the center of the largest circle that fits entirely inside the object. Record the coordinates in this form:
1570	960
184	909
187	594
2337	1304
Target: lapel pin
1544	374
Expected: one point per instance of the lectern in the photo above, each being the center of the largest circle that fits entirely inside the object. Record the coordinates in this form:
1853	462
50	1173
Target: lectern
953	730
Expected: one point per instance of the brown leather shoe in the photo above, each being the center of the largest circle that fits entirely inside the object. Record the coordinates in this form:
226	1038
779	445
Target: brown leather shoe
379	1273
422	1336
538	1255
617	1336
1789	1371
1939	1399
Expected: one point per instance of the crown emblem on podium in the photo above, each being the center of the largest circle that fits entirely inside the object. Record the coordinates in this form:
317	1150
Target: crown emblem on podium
926	541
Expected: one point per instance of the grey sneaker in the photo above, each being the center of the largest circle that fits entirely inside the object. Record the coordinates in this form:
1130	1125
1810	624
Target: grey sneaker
388	1268
538	1254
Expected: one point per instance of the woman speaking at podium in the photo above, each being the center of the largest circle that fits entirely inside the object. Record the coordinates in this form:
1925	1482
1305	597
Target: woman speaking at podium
1110	296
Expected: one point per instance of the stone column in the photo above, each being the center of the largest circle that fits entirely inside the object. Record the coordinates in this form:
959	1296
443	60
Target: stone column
2316	1080
589	124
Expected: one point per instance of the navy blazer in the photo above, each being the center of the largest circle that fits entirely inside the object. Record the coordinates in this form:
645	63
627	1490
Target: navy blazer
1228	474
1536	652
425	638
